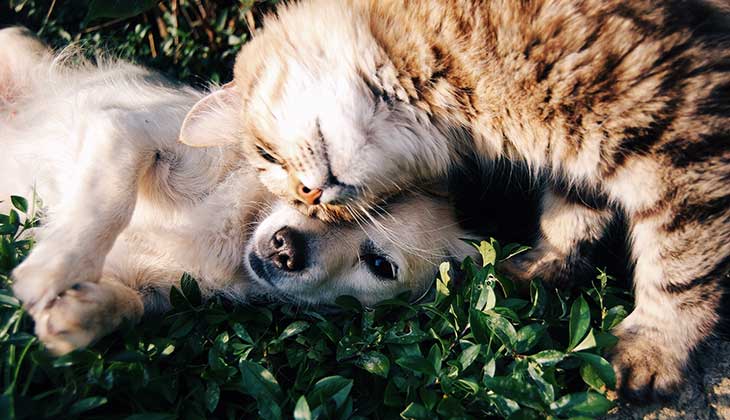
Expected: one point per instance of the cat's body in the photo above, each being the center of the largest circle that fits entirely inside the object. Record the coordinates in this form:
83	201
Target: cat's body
623	105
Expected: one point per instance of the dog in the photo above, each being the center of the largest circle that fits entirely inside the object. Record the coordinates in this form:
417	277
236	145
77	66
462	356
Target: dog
126	209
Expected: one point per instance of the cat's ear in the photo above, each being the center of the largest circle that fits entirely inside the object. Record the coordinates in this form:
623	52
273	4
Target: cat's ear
213	121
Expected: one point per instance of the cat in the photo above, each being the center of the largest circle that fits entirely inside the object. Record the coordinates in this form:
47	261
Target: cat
624	106
126	209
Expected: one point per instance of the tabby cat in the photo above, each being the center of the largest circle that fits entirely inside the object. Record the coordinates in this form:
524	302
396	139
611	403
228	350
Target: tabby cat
623	104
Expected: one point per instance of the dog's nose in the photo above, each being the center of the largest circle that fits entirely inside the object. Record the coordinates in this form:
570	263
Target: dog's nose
287	247
309	196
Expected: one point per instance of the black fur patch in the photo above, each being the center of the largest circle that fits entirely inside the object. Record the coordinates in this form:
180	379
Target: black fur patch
702	212
717	102
718	273
684	153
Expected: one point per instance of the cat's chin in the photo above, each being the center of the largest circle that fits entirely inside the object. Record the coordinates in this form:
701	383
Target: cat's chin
328	213
351	210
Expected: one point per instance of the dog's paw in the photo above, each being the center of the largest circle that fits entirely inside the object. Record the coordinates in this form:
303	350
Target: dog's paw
74	319
84	313
49	271
647	369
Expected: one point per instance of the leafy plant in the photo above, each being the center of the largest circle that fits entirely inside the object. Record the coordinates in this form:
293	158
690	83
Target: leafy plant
478	349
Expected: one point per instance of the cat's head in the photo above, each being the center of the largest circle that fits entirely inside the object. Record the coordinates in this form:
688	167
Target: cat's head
319	110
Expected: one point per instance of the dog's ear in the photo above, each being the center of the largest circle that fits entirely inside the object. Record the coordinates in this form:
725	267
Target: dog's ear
213	121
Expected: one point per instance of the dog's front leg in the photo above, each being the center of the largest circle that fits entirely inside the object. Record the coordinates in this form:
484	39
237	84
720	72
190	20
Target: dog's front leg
112	150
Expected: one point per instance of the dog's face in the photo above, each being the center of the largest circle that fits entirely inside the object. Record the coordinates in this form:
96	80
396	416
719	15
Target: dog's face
302	259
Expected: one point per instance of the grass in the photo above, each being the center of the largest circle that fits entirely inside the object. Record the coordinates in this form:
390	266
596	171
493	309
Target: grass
480	349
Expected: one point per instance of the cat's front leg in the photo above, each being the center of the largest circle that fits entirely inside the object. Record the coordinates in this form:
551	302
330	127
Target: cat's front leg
85	313
568	230
97	205
677	282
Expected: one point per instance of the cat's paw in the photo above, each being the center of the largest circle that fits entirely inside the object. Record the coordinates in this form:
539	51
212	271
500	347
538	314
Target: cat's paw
647	368
83	314
550	266
49	271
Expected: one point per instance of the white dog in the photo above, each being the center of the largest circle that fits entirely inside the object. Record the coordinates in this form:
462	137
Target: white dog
127	209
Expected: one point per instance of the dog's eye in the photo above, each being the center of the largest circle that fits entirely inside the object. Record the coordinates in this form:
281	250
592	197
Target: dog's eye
380	266
266	155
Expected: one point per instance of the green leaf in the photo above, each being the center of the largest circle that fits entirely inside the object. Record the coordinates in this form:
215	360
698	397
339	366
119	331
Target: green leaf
603	368
9	301
428	397
442	283
548	358
587	403
293	329
242	333
117	9
516	389
212	395
468	385
528	336
182	327
487	298
375	363
479	326
488	253
19	203
613	317
301	410
349	302
335	388
258	382
605	340
416	411
490	368
177	299
190	289
538	296
510	250
502	328
434	356
86	404
580	321
409	333
469	355
588	342
450	407
544	388
590	376
417	364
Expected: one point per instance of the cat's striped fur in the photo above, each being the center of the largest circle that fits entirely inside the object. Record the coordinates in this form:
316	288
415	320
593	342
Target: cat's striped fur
623	104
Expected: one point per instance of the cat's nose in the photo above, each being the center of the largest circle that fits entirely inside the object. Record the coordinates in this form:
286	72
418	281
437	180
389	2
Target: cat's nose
287	249
308	195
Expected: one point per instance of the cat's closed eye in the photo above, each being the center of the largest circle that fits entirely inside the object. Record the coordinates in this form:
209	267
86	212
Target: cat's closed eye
267	155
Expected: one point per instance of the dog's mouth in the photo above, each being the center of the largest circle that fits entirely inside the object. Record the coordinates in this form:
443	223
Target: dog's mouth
259	270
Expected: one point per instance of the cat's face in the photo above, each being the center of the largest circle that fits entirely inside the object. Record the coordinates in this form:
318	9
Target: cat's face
330	143
327	125
303	259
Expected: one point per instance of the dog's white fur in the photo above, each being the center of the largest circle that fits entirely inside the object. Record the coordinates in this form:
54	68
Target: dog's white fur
127	209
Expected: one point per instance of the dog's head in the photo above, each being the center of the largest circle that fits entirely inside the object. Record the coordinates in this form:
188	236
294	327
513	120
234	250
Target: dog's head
302	259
